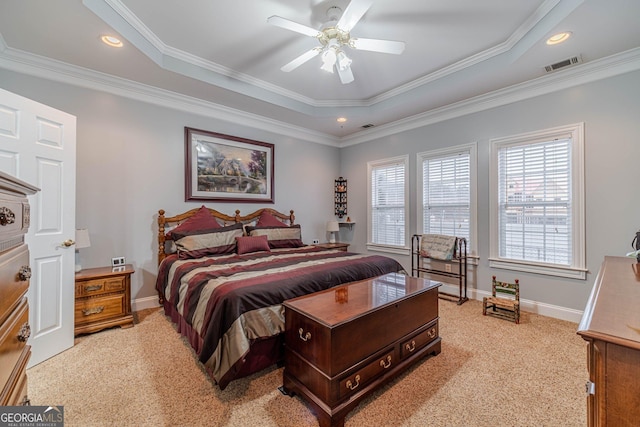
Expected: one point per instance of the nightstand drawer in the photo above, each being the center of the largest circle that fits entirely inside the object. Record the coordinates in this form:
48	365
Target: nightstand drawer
100	286
93	309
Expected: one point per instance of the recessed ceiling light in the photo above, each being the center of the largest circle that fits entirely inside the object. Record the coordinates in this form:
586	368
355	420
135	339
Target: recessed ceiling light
558	38
111	41
341	119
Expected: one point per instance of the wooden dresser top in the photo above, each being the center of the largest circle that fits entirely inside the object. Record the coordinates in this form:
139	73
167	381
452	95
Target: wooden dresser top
613	310
346	302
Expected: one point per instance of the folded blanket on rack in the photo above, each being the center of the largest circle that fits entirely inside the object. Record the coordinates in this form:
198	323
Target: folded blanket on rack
438	246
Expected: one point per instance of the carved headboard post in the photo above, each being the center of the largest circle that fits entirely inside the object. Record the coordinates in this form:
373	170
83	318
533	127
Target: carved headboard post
161	238
238	219
292	217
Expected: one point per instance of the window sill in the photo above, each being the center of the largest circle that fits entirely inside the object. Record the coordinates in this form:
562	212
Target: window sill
389	249
547	269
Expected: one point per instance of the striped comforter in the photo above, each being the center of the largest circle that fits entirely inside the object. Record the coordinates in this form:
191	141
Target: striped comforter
223	304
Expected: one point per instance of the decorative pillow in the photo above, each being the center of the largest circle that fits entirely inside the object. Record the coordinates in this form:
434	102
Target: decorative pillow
201	220
247	244
268	220
279	237
214	241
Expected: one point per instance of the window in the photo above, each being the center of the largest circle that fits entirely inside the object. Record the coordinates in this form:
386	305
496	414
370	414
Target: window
537	201
388	189
447	193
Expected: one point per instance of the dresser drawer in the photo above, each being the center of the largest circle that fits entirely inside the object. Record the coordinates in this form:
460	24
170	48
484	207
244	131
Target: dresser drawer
13	221
98	308
359	379
13	340
11	287
418	341
99	286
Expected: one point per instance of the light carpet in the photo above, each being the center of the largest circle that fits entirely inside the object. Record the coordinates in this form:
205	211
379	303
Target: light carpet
491	372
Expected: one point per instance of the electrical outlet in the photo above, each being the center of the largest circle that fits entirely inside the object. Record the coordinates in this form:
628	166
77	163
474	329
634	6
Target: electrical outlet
447	268
316	241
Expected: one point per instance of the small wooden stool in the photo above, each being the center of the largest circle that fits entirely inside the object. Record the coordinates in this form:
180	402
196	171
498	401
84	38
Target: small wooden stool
504	307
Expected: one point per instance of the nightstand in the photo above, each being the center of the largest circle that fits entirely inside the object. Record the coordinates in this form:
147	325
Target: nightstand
340	246
103	298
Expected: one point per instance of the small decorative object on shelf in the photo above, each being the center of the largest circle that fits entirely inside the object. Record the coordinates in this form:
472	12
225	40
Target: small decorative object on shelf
340	197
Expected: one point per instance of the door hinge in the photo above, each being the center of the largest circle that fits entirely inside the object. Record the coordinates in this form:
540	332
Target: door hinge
590	387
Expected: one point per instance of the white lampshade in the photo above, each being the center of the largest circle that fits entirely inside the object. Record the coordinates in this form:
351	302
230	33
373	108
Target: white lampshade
82	238
333	226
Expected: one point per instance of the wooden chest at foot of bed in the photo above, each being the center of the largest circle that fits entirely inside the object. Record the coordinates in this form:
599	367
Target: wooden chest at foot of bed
342	343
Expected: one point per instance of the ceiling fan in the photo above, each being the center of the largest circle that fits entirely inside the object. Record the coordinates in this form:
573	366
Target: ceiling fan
334	37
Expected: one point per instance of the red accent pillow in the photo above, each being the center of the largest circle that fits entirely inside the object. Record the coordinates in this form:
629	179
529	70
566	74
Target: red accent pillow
247	244
268	220
201	220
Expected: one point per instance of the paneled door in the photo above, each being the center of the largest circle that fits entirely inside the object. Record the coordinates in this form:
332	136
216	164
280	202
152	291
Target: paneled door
38	145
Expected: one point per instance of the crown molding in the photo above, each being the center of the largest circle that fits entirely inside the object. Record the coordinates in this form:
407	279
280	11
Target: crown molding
49	69
611	66
45	68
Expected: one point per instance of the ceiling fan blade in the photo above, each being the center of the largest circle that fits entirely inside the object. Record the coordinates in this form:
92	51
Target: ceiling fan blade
384	46
301	59
293	26
352	14
346	75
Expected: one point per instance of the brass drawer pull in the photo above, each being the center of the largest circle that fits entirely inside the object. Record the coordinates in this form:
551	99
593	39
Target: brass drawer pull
352	386
24	273
94	310
410	346
92	288
25	332
432	332
387	364
6	216
306	336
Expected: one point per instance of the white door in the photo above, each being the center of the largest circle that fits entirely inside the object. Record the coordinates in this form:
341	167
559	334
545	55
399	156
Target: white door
38	146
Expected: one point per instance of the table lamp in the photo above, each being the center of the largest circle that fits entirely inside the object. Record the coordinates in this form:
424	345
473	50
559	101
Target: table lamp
332	227
82	241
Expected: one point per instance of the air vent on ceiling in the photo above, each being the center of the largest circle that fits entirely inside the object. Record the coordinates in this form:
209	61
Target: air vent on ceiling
367	126
562	64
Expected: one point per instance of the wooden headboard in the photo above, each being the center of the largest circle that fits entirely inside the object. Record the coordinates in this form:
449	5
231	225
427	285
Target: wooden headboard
165	222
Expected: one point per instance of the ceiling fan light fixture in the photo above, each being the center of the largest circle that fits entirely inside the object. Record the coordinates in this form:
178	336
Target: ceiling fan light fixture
343	60
328	60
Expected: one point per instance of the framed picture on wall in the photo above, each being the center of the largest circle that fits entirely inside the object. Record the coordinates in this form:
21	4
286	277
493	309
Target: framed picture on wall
225	168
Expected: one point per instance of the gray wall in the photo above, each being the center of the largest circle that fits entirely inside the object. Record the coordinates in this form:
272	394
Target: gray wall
610	110
130	163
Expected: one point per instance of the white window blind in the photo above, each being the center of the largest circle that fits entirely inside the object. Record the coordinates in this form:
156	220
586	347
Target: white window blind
446	195
387	180
534	194
537	202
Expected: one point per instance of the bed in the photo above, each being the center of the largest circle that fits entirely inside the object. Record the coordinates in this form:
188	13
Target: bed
222	279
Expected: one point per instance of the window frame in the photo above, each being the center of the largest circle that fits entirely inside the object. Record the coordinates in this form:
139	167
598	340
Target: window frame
472	150
371	165
577	269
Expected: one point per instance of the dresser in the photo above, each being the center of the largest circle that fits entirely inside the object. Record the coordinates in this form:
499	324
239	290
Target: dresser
103	298
343	343
611	326
14	283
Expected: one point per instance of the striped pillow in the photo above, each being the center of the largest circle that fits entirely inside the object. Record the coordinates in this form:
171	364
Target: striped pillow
247	244
212	241
279	237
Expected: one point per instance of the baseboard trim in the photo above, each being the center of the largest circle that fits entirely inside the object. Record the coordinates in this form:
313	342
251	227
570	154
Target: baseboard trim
543	309
144	303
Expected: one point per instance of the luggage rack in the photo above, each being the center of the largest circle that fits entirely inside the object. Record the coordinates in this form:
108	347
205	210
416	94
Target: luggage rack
455	268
